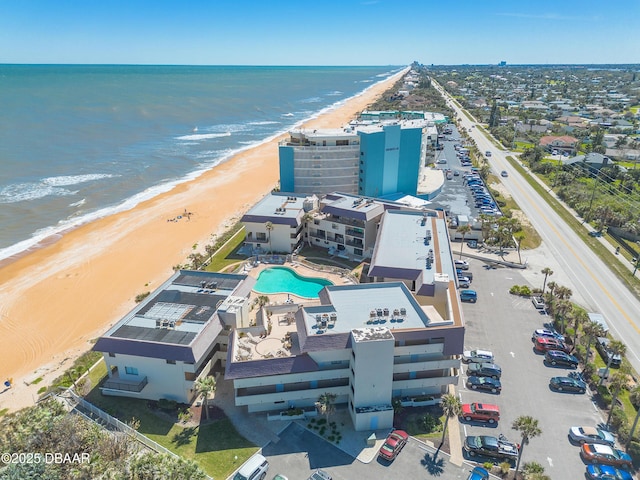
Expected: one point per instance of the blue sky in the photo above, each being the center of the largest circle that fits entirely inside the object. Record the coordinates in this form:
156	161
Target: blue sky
322	32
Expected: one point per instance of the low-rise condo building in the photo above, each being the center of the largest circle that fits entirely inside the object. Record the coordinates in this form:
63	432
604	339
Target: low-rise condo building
176	335
275	223
366	344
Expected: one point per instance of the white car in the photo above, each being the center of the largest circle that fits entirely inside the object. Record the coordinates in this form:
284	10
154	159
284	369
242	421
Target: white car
477	356
442	160
591	435
461	264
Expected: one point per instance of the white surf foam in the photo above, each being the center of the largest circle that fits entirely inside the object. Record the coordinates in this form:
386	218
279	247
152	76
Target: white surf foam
203	136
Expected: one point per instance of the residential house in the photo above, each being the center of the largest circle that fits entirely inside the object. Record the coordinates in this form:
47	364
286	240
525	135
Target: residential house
561	144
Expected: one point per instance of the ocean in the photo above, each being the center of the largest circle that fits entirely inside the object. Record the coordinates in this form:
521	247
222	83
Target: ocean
82	142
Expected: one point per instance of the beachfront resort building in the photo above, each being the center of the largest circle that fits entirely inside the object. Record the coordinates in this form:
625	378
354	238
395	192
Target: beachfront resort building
175	336
275	223
371	158
366	344
345	225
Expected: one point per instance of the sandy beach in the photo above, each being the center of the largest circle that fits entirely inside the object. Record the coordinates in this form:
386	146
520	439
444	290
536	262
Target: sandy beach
57	298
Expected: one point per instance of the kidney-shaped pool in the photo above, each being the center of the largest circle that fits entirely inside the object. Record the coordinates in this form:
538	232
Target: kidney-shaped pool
285	280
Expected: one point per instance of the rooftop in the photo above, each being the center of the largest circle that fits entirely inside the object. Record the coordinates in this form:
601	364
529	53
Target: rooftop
413	245
175	315
277	207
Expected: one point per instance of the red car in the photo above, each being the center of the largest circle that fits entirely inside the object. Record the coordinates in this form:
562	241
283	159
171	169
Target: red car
544	344
393	444
480	412
597	453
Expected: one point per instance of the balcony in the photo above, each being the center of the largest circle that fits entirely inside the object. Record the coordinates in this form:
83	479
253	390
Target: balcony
355	243
114	382
355	232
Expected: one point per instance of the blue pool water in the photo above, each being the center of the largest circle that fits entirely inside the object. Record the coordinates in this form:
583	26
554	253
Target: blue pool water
285	280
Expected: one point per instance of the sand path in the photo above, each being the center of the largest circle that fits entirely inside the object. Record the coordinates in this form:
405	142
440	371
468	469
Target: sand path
57	298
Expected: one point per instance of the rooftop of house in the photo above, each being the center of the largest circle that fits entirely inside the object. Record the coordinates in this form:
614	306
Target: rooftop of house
279	207
177	320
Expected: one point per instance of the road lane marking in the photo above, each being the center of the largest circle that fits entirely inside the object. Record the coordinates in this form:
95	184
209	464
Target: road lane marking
550	460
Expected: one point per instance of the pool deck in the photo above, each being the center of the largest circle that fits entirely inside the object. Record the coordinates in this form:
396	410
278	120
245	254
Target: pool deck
283	306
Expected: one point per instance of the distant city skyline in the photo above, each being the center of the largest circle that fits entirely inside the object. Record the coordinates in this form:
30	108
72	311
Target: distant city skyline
328	32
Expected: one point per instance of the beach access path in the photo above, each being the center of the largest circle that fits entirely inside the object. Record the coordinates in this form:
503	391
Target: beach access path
57	298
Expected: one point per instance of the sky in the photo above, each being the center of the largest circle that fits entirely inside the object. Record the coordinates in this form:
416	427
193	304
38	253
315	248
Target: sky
321	32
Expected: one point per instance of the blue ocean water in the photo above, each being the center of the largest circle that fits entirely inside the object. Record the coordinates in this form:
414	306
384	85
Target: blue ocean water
81	142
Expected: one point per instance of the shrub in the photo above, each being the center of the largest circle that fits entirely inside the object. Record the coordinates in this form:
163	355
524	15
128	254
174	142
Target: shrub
294	411
142	296
488	465
521	290
166	404
618	418
430	423
604	393
504	467
634	451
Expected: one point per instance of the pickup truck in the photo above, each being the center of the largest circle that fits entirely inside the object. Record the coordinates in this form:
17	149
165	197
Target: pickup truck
488	446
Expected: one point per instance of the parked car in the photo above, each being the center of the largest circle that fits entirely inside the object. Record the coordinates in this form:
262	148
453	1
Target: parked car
538	302
484	370
392	446
442	161
548	333
487	384
320	475
567	384
488	446
464	273
595	233
602	344
468	296
480	412
463	282
584	435
472	244
607	472
279	476
543	344
597	453
477	356
254	468
461	264
560	358
478	473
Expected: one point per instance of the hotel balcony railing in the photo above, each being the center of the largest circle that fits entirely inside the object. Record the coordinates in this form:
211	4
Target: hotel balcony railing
314	234
355	233
345	221
293	387
116	383
355	243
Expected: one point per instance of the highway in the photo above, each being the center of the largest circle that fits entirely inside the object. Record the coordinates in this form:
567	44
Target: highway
591	280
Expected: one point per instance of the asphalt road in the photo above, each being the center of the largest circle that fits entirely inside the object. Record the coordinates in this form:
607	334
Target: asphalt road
593	284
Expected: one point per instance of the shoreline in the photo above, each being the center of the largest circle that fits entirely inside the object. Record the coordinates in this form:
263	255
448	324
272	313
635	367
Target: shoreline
55	299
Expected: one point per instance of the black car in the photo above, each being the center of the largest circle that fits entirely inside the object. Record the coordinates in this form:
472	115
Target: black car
560	358
567	384
484	383
484	370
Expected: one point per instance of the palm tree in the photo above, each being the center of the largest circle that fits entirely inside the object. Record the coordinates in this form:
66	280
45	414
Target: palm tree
546	271
592	330
326	404
204	386
463	229
269	227
634	397
560	310
451	407
519	237
306	218
615	347
618	381
528	427
580	317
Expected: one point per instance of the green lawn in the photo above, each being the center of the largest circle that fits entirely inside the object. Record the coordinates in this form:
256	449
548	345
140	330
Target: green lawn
217	447
226	255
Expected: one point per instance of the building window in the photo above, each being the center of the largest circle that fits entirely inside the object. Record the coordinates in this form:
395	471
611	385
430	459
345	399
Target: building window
112	355
353	354
131	371
189	376
171	362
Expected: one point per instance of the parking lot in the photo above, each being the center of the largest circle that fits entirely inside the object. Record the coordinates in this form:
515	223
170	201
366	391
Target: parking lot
503	323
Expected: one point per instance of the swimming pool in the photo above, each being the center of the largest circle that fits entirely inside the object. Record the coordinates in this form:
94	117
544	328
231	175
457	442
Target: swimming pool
285	280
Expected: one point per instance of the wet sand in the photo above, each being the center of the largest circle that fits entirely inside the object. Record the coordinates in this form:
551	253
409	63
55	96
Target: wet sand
57	298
